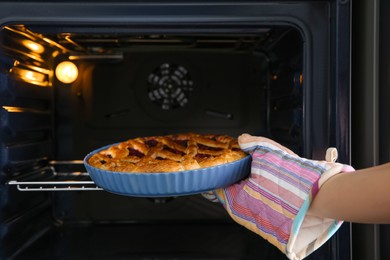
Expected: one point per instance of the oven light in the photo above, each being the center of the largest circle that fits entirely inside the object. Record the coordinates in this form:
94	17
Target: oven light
66	72
33	46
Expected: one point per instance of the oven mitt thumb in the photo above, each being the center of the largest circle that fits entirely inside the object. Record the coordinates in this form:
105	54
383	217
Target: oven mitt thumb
274	200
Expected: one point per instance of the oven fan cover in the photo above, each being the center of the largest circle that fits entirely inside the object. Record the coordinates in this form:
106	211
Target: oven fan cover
168	88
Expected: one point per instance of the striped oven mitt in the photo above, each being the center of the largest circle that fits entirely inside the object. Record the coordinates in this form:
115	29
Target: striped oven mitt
274	200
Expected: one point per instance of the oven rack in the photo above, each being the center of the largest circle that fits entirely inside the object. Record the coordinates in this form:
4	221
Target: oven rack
55	185
63	181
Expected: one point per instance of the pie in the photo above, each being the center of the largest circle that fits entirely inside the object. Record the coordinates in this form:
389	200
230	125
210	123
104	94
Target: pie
170	153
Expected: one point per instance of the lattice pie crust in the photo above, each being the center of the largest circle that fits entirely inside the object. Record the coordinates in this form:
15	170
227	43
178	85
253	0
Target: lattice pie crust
171	153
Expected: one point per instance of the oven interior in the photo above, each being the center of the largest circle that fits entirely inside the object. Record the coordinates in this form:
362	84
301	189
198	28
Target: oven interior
131	83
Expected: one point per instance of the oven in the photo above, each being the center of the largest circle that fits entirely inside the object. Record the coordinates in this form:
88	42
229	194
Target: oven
280	69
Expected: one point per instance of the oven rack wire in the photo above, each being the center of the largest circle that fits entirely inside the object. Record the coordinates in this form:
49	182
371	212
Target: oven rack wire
64	181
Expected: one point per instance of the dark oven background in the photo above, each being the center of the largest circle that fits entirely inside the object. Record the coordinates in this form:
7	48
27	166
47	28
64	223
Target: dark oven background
263	68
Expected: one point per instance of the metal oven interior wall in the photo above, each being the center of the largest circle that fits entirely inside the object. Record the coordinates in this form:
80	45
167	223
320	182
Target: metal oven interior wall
26	144
47	122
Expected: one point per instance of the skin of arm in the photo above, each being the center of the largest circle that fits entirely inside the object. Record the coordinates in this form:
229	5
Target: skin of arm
362	196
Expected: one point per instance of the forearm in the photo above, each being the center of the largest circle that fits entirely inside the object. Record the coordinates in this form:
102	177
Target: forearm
361	197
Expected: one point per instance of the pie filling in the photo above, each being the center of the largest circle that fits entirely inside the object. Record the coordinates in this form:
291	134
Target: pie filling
134	152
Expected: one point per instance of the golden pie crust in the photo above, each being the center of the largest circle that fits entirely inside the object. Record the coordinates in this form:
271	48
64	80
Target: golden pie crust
170	153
